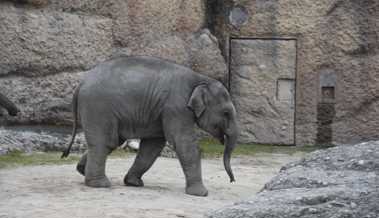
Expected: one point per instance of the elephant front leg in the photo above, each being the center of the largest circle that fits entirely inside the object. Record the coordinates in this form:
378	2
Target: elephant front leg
148	152
179	130
190	159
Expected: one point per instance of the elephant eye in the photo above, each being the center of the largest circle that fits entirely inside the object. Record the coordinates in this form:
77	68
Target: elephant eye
226	114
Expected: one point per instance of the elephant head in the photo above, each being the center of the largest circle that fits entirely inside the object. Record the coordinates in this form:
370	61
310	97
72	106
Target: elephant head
216	114
7	104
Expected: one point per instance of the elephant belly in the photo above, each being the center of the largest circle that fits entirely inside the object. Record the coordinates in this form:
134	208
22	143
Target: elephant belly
153	130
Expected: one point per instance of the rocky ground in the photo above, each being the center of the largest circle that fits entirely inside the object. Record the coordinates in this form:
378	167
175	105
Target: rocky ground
58	191
337	182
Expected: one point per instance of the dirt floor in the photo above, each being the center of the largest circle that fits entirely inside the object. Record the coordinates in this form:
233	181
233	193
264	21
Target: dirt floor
57	191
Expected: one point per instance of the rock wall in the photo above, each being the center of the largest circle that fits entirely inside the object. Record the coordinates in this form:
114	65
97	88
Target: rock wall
337	53
46	46
257	69
337	182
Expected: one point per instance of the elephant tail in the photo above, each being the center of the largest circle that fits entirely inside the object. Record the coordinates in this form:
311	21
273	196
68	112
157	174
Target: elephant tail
75	126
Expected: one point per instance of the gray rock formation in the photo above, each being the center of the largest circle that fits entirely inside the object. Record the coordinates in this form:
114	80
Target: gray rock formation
29	139
36	42
49	138
206	56
336	182
41	99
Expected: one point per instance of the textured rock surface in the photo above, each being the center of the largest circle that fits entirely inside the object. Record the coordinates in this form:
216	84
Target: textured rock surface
337	182
262	86
43	37
170	47
337	36
46	45
44	100
206	56
36	42
148	20
38	139
50	138
138	23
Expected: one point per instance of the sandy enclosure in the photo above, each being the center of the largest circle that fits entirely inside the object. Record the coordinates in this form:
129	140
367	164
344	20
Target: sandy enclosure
57	191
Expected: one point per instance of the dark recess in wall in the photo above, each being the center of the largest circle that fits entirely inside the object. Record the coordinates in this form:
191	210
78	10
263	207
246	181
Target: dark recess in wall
325	116
211	13
217	12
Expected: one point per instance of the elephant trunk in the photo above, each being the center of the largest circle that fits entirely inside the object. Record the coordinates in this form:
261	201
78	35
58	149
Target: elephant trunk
230	144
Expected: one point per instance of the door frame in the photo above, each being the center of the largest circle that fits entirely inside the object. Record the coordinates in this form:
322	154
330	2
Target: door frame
296	71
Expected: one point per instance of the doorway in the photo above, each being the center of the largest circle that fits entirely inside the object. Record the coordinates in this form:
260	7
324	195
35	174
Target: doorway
262	83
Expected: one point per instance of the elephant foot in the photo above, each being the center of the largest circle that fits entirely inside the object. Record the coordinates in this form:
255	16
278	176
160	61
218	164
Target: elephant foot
81	169
102	182
133	181
197	189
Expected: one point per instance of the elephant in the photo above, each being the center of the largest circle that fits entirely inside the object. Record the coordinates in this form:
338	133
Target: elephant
8	105
155	100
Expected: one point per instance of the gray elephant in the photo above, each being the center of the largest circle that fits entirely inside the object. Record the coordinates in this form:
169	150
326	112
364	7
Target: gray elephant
157	101
8	105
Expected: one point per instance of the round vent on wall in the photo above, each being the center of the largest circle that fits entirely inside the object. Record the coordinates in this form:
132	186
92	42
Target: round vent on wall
238	16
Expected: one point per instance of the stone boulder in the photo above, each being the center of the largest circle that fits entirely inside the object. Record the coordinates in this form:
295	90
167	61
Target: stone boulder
336	182
206	57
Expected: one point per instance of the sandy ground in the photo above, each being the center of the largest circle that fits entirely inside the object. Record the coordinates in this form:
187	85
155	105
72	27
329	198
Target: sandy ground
57	191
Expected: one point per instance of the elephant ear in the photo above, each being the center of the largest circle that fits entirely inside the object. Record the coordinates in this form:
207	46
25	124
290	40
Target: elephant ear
198	100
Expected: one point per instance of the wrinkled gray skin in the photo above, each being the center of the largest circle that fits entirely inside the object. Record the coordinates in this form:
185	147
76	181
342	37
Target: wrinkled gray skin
157	101
8	105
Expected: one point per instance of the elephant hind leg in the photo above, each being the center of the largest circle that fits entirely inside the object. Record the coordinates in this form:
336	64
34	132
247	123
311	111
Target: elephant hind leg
81	166
148	152
100	144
